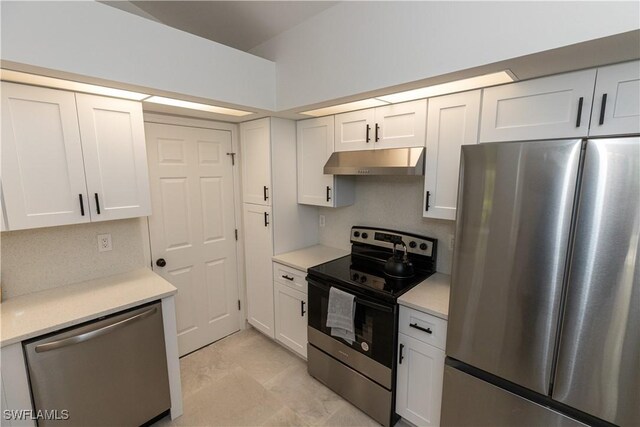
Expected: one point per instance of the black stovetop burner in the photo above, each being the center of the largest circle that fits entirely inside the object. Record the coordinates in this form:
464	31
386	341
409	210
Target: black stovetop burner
363	270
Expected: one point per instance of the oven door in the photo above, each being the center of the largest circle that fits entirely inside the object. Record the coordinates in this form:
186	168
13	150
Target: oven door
375	322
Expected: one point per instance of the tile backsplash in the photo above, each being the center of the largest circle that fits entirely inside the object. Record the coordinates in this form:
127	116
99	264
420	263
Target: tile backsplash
388	202
44	258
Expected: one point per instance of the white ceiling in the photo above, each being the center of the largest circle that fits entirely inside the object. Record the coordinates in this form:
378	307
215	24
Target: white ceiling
239	24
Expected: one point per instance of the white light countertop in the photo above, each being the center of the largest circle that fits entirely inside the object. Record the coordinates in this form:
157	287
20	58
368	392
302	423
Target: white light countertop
431	296
302	259
36	314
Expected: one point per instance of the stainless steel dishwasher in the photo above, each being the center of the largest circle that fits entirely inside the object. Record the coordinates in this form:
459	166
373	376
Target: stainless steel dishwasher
109	372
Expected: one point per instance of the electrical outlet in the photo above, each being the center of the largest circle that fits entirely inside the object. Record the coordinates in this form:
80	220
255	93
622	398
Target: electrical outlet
322	221
451	241
104	242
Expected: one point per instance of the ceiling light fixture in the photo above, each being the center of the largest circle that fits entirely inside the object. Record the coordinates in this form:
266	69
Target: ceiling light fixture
349	106
37	80
197	106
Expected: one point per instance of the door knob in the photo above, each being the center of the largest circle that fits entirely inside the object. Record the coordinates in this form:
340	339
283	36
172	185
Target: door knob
161	262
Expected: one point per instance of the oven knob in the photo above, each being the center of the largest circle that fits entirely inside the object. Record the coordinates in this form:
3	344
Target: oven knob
356	276
363	279
412	244
356	234
365	235
423	246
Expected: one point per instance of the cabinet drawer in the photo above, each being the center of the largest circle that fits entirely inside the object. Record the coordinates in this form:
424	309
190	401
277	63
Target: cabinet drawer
424	327
290	277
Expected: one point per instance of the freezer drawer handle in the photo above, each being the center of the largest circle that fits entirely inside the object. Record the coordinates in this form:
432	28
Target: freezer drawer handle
94	334
420	328
401	354
579	118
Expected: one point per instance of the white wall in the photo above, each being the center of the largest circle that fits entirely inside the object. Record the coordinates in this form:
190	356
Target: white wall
356	47
45	258
96	40
393	202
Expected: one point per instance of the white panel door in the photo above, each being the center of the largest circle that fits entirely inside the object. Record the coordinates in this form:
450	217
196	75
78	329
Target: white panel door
43	176
193	229
355	130
115	157
255	155
401	125
258	250
419	381
314	146
452	122
291	318
546	108
617	100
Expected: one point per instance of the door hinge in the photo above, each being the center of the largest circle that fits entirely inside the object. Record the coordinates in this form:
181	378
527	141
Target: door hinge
236	234
233	158
238	304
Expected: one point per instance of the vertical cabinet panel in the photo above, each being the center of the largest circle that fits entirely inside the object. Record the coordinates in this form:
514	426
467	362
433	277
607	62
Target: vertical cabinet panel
291	318
255	149
115	159
451	123
355	130
616	109
42	167
259	275
419	383
401	125
546	108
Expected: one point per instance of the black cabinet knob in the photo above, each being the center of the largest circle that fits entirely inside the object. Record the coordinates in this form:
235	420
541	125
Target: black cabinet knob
365	235
160	262
356	234
412	244
423	246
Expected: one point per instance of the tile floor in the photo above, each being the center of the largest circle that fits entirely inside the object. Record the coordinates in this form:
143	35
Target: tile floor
246	379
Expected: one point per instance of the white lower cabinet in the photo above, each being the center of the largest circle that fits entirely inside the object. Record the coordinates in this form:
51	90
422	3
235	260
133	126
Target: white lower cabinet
291	318
420	373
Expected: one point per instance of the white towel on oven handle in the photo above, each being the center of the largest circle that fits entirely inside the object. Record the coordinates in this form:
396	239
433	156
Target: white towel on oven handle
341	311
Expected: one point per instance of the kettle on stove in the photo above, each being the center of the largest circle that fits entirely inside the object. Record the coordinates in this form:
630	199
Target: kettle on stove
399	266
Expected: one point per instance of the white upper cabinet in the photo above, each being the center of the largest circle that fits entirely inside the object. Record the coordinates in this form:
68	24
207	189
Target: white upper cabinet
115	159
390	126
546	108
452	122
255	146
43	178
315	138
401	125
617	100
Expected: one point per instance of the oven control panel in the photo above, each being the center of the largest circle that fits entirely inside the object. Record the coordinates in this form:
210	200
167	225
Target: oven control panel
386	239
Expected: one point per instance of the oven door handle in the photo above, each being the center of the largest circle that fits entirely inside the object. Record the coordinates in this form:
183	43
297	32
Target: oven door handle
358	299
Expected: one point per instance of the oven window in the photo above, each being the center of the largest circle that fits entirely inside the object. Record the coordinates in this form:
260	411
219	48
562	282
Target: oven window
374	323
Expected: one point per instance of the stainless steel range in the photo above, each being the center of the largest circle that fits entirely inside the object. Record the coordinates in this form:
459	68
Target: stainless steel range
363	371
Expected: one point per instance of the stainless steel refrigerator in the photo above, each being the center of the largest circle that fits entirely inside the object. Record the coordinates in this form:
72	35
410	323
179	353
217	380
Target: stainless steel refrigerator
544	316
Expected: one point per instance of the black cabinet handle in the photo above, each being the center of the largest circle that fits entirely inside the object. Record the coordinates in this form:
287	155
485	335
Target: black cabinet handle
579	118
426	203
161	262
603	107
302	312
81	205
266	219
264	192
284	276
401	354
420	328
368	129
97	203
377	131
328	191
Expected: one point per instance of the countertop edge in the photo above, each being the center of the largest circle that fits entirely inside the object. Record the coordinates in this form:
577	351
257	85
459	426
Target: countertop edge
319	254
423	309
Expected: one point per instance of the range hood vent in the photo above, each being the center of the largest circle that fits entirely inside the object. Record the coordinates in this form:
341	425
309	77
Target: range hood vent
393	161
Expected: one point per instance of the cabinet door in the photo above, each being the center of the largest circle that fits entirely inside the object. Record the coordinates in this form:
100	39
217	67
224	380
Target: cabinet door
255	146
355	130
419	382
547	108
259	276
115	157
401	125
291	318
43	178
452	122
617	100
314	146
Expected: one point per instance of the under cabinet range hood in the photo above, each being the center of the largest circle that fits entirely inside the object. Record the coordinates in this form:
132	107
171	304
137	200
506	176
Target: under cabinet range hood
392	161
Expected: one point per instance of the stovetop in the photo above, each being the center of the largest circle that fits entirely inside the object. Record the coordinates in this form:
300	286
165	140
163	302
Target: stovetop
363	270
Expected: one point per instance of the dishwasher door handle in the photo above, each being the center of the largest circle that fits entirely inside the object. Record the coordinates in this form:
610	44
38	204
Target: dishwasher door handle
95	333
